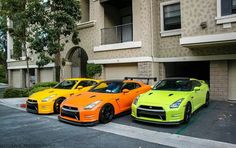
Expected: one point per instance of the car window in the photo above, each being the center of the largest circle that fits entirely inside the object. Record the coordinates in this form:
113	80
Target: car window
86	83
130	86
195	84
174	85
107	87
67	84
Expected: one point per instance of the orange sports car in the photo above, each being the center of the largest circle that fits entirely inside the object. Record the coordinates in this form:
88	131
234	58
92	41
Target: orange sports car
102	102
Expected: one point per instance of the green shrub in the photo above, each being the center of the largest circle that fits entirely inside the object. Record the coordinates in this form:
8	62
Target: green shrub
15	92
93	69
45	84
37	89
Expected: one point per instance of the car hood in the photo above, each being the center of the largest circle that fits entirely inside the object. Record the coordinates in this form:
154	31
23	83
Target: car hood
48	92
86	98
158	97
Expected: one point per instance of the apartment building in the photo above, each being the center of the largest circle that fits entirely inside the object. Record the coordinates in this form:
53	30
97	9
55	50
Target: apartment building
161	38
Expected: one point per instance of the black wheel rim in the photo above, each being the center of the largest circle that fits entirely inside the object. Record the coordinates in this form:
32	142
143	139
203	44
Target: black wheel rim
207	99
57	106
188	112
107	113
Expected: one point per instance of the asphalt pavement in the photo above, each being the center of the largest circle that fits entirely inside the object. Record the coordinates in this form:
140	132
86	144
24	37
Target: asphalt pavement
22	129
214	126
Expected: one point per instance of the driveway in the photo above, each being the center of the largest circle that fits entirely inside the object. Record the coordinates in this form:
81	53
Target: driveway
214	126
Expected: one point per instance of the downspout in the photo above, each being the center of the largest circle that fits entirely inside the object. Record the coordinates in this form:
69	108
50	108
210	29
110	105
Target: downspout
152	50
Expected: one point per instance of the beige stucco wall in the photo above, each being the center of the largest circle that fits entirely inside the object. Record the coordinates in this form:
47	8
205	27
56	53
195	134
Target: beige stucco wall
194	12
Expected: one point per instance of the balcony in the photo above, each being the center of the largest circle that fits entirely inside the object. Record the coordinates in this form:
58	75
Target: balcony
117	34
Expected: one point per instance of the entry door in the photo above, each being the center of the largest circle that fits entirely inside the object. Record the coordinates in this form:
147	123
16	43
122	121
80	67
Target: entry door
127	31
232	80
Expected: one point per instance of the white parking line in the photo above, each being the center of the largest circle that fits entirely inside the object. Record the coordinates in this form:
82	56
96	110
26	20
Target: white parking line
162	138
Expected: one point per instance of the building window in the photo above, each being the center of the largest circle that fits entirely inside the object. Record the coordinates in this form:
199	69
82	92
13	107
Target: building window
226	11
228	7
170	18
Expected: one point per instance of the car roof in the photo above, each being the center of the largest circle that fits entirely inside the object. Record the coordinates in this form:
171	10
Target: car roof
177	78
80	79
180	78
121	80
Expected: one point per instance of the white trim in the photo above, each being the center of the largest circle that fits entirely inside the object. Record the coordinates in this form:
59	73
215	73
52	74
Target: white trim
163	32
30	66
170	59
118	46
208	39
86	24
122	60
197	58
171	32
223	19
226	19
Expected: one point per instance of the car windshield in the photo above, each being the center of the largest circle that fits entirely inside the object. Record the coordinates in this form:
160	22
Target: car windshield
67	84
107	87
174	85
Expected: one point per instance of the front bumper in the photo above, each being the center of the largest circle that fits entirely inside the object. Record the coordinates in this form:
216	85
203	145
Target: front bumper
38	107
76	122
78	116
169	116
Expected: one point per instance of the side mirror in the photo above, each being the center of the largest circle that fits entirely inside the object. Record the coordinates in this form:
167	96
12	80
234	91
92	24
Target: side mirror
125	91
79	87
196	88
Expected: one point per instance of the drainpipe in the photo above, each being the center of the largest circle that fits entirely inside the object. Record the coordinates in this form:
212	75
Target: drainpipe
152	50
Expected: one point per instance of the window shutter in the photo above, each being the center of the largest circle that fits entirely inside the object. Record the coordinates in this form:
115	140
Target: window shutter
226	7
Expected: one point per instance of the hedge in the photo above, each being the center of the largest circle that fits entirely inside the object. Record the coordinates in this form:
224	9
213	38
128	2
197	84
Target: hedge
24	92
45	84
15	92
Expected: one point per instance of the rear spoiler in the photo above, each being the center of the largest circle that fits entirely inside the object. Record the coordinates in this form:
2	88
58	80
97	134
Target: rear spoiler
142	78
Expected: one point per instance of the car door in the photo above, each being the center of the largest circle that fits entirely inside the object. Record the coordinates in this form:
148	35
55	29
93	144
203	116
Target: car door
126	99
198	94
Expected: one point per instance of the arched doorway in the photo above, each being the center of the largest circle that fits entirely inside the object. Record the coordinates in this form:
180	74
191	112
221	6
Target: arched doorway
78	58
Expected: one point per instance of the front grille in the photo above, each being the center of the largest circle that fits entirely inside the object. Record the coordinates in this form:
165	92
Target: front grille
71	112
32	104
151	112
151	107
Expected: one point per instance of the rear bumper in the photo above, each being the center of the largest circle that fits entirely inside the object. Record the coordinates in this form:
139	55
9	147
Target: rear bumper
77	123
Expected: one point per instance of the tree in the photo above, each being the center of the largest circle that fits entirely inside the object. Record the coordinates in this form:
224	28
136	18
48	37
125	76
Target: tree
16	11
52	22
3	50
44	26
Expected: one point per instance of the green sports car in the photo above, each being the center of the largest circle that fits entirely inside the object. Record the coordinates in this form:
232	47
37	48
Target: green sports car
171	101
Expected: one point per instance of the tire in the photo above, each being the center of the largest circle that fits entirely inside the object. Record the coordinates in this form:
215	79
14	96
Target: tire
207	102
106	113
56	106
187	113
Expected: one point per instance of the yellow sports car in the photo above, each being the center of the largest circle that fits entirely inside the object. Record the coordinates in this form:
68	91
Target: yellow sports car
49	100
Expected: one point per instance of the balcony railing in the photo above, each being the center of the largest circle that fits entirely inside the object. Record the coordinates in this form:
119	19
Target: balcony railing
117	34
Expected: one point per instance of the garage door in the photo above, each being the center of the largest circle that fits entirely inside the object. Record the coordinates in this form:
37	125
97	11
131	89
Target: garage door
119	71
46	75
232	80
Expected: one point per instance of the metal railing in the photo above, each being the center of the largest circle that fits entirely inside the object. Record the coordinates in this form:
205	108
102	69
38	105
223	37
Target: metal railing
117	34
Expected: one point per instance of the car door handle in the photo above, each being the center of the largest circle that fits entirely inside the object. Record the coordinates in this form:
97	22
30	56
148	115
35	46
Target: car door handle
117	99
71	94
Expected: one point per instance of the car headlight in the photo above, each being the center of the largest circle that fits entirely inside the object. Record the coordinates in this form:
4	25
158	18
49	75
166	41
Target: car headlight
177	103
92	105
136	100
48	98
